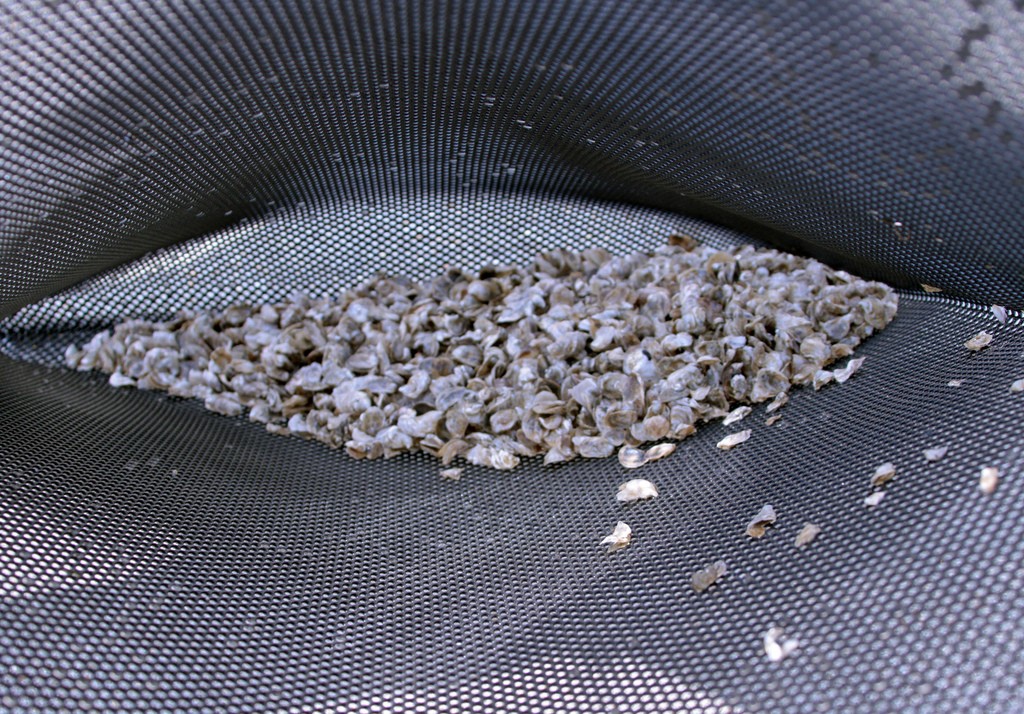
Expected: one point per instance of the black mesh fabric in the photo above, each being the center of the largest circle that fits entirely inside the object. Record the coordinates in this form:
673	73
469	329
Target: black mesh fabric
154	156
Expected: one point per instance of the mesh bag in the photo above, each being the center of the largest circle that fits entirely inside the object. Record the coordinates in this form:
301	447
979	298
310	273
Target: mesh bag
166	155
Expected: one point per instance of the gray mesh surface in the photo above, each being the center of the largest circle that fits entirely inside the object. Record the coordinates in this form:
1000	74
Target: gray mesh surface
156	557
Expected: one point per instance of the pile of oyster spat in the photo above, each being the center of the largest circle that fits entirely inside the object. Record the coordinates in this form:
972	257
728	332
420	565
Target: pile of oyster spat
574	355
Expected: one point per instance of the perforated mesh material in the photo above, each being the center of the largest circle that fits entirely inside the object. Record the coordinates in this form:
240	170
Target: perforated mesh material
156	557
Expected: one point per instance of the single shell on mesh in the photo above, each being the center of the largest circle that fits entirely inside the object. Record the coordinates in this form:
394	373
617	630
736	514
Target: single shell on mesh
736	414
453	474
706	577
631	457
1017	387
883	474
999	312
936	453
979	341
775	649
989	479
659	451
619	538
637	489
734	440
765	517
808	533
874	499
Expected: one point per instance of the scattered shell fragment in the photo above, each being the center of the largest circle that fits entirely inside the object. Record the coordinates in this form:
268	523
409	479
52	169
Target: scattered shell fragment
999	312
764	517
930	288
734	440
772	419
1017	387
979	341
841	375
989	479
620	537
706	577
808	533
954	383
874	499
936	453
453	474
637	489
883	474
776	650
780	401
574	355
736	414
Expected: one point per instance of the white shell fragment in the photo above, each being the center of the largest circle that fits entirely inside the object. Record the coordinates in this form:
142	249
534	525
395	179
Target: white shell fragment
1017	387
979	341
989	479
637	489
841	375
808	533
954	383
620	537
706	577
573	355
764	517
452	474
734	440
935	453
874	499
884	473
999	312
778	650
736	414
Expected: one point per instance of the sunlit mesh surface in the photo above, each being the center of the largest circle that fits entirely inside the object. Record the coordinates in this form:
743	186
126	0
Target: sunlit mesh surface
156	557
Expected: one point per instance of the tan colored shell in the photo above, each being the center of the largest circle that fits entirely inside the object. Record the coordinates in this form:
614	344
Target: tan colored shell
883	474
765	517
807	534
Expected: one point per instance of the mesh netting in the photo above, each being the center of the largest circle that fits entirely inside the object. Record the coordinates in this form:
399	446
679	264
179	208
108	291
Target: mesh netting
157	557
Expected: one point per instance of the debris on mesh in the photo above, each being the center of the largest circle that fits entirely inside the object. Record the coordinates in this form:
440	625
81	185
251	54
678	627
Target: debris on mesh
979	341
736	415
706	577
989	479
1017	387
778	650
620	537
935	453
930	288
954	383
772	419
765	517
808	533
572	356
874	499
883	474
999	312
637	489
734	440
451	474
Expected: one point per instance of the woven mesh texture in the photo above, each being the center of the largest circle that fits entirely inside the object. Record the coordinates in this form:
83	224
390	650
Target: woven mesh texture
156	557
